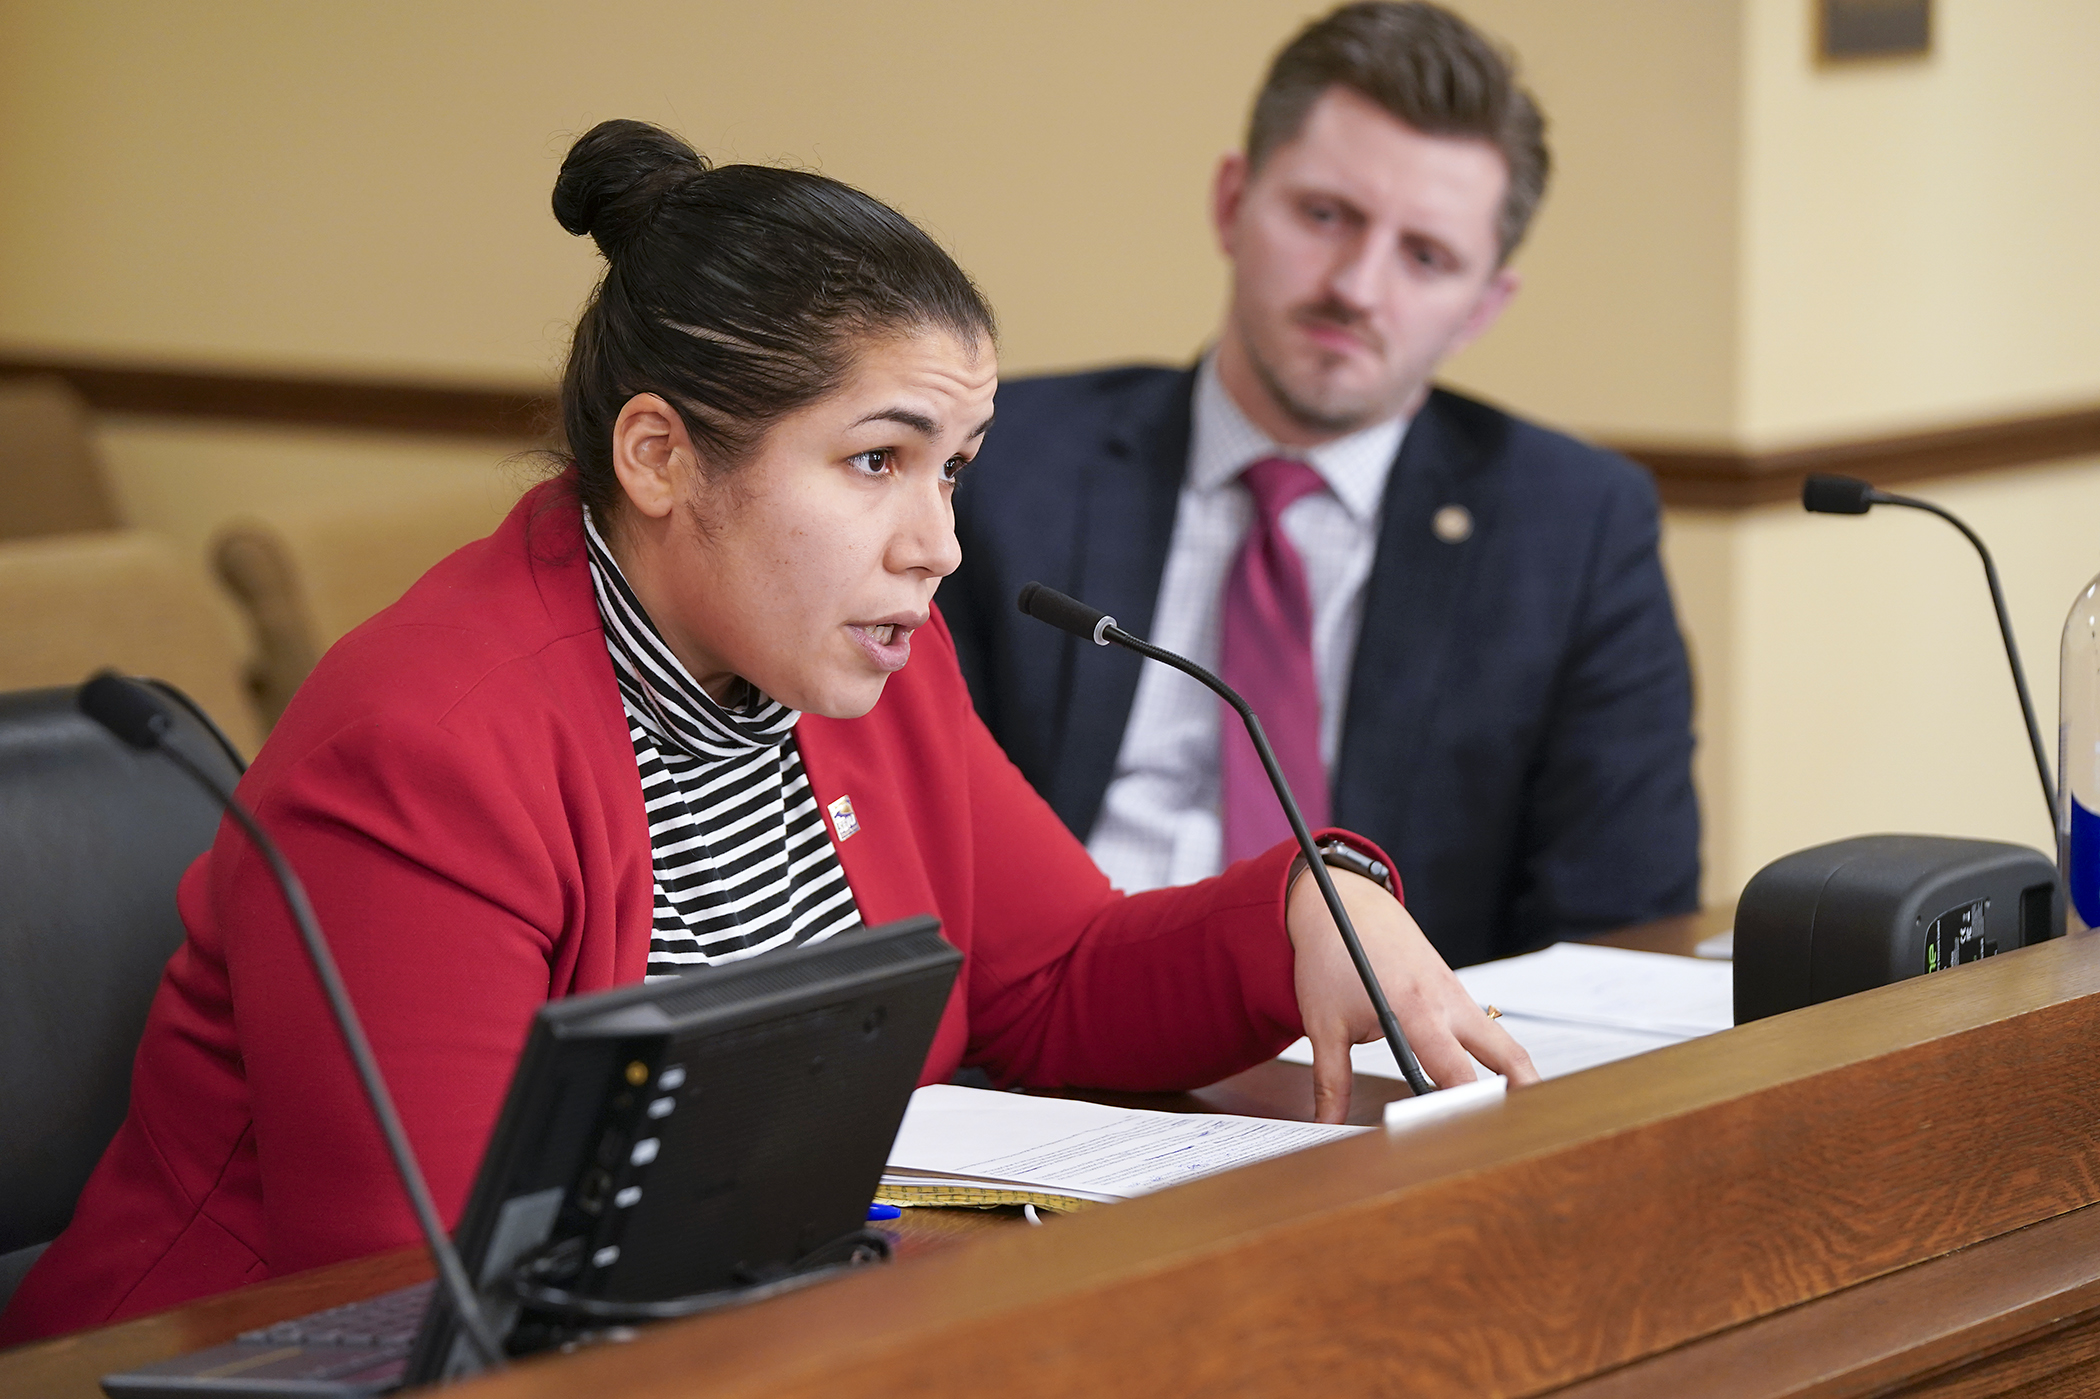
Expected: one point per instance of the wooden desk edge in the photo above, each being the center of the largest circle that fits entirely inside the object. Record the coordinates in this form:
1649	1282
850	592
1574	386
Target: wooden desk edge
1996	1297
2022	1288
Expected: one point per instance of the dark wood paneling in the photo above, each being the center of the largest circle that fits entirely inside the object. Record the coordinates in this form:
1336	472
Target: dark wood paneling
442	409
2016	1301
1711	479
1734	480
2062	1365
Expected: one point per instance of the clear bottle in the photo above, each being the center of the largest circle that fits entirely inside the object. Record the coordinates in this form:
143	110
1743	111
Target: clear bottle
2078	764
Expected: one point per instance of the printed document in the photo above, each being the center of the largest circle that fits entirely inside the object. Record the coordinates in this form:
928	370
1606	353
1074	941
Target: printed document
1086	1151
1576	1005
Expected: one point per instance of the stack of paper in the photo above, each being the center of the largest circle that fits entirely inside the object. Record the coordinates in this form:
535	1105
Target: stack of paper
1576	1005
1572	1006
967	1146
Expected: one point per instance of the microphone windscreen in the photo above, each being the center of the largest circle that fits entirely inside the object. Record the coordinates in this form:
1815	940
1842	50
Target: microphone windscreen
126	708
1836	495
1064	613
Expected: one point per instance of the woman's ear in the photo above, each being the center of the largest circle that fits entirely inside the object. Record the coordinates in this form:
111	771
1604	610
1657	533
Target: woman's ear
652	455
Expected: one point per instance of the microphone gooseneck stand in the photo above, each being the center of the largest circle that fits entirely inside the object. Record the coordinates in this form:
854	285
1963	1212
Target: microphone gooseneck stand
1071	615
1847	495
137	718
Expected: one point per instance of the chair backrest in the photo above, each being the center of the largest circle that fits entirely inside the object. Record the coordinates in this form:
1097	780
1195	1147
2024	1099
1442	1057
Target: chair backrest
94	837
73	604
307	576
51	478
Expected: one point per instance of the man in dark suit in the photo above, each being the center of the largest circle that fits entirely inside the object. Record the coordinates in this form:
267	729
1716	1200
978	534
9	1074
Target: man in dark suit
1474	660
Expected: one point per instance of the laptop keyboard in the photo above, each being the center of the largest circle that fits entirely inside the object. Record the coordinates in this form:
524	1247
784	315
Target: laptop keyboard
385	1322
348	1352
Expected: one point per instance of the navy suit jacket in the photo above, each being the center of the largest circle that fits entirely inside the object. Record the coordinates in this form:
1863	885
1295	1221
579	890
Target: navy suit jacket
1518	730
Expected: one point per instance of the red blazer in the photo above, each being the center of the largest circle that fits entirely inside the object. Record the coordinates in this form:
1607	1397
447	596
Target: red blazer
456	786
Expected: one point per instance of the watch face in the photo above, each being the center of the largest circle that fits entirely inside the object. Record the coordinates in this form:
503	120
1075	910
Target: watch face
1341	855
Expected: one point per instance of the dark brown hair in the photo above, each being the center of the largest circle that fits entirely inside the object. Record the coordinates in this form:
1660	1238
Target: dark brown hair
1431	70
739	293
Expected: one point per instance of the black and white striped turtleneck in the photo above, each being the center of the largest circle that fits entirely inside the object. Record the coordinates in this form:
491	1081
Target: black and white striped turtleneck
743	863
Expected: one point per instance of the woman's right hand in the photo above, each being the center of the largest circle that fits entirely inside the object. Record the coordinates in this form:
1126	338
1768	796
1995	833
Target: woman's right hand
1444	1027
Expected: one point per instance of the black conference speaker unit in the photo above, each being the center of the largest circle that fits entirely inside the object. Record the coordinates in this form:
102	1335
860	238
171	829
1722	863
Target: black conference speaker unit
1834	919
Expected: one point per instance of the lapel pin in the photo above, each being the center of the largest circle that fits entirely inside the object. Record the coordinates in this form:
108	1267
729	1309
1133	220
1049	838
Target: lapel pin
843	821
1453	524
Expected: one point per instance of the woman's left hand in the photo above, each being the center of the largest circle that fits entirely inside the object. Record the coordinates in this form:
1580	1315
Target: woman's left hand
1444	1027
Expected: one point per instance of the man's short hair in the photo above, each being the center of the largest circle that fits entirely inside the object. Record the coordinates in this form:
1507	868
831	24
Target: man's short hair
1428	68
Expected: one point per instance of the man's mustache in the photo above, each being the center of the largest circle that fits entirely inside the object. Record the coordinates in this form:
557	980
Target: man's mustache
1342	316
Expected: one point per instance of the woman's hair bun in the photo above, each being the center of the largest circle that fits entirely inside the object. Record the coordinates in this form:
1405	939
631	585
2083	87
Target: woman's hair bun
614	178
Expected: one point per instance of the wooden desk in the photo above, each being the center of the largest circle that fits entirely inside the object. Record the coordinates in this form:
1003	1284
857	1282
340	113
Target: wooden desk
1889	1194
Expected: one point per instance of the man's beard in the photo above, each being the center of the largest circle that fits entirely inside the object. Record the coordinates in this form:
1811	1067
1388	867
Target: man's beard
1335	419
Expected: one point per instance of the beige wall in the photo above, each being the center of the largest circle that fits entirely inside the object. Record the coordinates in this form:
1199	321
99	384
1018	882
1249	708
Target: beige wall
1741	249
1918	236
1849	670
1741	246
364	186
1913	252
1627	325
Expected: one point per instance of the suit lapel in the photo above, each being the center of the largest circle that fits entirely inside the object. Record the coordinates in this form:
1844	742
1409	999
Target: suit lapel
1124	526
1411	612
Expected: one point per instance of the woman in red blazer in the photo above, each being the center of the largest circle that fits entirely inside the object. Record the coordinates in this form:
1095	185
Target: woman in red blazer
767	403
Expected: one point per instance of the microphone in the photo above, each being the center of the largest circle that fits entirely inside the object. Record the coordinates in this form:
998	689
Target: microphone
137	717
1846	495
1838	495
1071	615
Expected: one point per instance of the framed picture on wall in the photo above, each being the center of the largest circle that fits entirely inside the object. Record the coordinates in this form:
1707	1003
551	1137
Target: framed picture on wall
1847	30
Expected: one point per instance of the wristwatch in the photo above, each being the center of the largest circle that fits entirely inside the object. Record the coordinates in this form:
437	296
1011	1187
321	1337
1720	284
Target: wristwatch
1339	854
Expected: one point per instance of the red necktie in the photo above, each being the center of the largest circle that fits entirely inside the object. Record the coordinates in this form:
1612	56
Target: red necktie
1265	652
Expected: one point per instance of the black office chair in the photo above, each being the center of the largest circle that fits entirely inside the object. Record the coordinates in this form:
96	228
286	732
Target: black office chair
93	839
